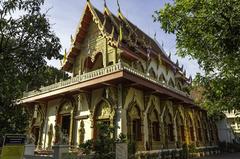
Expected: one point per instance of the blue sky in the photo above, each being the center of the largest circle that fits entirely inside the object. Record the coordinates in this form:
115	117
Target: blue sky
64	15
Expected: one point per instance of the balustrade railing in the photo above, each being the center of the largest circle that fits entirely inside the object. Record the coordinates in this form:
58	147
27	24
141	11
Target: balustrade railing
98	73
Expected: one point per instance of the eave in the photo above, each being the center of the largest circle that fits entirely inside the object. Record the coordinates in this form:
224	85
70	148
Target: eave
111	75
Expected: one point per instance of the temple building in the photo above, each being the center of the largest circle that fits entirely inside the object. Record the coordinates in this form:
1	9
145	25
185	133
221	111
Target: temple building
121	77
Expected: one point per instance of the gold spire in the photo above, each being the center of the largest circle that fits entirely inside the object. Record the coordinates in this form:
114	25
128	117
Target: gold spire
105	4
120	33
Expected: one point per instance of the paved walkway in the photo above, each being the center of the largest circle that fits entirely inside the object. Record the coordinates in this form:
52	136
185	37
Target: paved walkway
224	156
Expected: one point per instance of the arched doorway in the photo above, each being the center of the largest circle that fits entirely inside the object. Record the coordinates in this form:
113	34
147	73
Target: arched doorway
65	121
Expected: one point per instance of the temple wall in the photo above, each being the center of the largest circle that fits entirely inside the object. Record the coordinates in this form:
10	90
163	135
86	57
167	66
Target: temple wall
166	111
51	117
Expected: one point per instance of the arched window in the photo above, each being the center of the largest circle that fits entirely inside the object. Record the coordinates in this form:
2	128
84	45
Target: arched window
101	116
181	128
169	127
155	126
93	64
134	123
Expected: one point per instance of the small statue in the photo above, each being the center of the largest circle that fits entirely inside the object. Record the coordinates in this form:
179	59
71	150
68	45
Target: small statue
81	132
57	134
50	135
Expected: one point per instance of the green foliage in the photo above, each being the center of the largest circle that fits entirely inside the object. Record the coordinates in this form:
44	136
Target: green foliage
26	41
209	31
184	153
192	148
87	147
104	145
132	148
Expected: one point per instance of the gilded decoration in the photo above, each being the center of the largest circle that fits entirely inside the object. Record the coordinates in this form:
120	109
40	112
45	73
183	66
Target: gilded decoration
104	111
50	136
134	113
66	108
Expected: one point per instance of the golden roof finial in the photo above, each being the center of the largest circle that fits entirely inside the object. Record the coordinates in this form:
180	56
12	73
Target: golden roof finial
119	9
72	40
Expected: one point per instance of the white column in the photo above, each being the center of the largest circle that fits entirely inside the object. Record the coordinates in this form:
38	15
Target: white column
119	111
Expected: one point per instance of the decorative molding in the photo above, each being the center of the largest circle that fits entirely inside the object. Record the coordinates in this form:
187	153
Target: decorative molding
81	117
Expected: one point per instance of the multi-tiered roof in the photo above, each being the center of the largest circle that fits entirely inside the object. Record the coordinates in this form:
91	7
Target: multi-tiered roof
120	33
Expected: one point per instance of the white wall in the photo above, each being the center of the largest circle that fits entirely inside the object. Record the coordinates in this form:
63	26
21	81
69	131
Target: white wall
225	132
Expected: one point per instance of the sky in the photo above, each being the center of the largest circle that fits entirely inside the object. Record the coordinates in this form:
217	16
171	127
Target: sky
65	15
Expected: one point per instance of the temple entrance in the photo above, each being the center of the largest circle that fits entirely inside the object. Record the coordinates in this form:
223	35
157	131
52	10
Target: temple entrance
66	121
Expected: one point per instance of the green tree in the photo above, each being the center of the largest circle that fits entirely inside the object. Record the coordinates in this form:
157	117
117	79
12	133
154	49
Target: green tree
209	31
26	41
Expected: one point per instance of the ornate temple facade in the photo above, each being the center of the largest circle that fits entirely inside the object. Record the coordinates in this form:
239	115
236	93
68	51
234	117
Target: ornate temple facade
121	77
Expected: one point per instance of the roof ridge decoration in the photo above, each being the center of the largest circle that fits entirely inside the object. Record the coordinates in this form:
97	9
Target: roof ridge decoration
126	21
109	13
97	20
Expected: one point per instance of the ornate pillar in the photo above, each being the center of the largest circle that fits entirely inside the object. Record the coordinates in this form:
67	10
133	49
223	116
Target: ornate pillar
71	128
